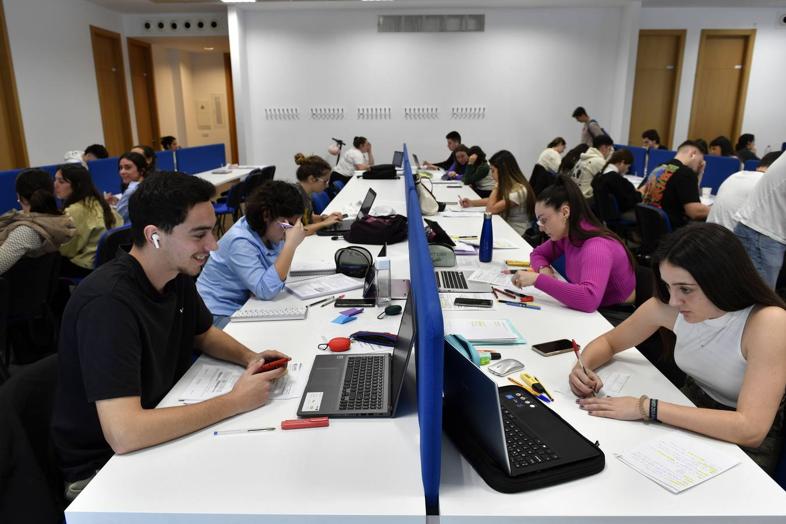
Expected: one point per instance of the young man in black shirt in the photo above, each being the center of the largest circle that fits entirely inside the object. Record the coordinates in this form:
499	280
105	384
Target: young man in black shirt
129	330
454	140
675	189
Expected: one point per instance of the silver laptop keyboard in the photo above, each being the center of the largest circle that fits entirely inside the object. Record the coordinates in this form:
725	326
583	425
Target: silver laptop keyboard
364	383
452	279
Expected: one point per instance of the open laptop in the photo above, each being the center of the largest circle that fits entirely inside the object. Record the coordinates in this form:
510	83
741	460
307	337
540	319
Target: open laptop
360	385
398	158
452	281
342	227
520	433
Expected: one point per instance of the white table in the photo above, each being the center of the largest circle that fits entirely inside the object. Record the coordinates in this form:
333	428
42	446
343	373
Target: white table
220	179
745	493
350	472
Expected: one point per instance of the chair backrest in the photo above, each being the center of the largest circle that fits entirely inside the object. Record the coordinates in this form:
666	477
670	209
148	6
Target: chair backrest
258	176
320	201
541	178
197	159
644	284
751	165
605	203
657	157
653	224
110	242
718	169
32	284
236	194
8	190
639	159
105	174
165	160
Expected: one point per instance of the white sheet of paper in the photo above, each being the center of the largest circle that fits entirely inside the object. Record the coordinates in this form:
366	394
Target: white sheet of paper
211	381
455	208
464	249
493	277
612	384
677	462
477	329
499	243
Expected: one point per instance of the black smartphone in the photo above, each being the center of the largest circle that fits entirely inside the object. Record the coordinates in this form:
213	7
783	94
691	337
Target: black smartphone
473	302
555	347
355	302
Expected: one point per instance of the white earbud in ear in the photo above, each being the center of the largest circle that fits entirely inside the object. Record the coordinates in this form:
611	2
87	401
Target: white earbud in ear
156	240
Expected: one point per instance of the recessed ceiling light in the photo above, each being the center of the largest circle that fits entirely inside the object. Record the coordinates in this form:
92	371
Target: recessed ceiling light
208	48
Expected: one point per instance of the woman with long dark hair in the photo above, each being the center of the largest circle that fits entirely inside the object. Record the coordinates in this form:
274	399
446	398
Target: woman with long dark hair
730	329
599	268
512	198
91	214
39	228
133	169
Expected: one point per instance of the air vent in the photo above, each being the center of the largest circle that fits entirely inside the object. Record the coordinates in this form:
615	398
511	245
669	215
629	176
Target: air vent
431	23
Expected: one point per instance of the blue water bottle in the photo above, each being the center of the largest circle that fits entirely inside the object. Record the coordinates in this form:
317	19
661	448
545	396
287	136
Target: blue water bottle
486	239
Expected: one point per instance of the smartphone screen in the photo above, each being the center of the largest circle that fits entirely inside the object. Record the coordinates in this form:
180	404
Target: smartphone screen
473	302
554	347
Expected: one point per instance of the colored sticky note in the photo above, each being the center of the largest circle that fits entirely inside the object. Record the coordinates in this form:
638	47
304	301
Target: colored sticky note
343	319
351	312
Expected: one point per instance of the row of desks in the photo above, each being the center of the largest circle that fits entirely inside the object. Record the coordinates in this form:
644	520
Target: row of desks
363	469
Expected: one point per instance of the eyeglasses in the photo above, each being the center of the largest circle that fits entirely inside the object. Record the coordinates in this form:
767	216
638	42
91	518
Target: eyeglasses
541	220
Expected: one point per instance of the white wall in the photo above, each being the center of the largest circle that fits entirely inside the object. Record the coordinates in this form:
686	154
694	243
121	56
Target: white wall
55	73
182	78
530	68
765	107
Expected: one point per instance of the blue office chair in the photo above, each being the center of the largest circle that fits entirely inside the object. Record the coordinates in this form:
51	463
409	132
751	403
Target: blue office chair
229	206
751	165
657	157
654	224
110	241
320	201
718	169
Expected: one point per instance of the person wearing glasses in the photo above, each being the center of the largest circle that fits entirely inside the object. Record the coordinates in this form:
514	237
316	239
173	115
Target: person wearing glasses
599	268
254	256
313	176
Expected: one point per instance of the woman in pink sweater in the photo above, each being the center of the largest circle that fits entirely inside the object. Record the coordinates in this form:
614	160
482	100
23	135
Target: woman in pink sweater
599	268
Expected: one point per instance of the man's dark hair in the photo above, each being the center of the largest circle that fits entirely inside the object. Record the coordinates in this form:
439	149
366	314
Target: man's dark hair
652	135
166	141
724	144
97	150
454	135
602	140
273	199
701	144
559	141
769	158
164	200
358	141
693	143
150	156
579	111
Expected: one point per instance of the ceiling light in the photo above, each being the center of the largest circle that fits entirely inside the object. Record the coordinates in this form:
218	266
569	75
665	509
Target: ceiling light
208	48
238	1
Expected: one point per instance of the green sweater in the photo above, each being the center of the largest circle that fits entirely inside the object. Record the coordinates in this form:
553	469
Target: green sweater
479	177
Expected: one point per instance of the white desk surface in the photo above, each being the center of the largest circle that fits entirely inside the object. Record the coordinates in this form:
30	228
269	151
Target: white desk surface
352	471
237	173
745	493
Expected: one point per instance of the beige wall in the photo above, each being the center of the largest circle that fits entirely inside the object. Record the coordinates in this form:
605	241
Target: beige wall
184	79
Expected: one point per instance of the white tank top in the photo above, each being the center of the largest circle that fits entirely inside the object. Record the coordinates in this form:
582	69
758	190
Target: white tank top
711	353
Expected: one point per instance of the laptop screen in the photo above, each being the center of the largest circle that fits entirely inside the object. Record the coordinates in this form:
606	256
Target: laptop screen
365	208
417	162
400	357
398	158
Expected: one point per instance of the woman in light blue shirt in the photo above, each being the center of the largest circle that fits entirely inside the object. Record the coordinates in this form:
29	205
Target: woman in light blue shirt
254	256
133	168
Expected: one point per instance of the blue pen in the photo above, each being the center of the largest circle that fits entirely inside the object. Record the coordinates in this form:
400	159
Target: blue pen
519	304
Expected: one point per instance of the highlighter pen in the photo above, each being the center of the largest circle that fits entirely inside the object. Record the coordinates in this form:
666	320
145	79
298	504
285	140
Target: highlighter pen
542	398
322	300
517	263
519	304
239	431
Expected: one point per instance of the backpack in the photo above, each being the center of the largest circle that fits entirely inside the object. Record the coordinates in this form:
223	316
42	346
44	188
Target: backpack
378	230
380	172
602	131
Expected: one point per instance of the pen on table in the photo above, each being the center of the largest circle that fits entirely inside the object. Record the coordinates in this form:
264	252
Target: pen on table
322	300
519	304
545	391
533	382
494	292
469	237
517	263
542	398
522	296
581	360
458	186
504	292
239	431
332	299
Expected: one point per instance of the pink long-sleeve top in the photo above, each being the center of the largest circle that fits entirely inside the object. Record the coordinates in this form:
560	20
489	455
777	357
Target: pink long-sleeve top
598	272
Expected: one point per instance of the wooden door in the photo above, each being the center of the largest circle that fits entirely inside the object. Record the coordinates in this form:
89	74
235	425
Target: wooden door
721	83
656	88
112	93
140	60
234	157
13	152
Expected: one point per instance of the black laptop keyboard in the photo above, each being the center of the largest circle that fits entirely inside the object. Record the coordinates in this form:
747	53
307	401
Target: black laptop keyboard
364	383
452	279
524	450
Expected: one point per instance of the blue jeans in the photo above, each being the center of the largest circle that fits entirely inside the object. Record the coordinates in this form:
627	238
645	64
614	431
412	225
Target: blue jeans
766	253
220	321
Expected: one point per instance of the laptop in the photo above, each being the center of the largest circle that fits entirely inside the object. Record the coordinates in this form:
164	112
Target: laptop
451	281
360	385
520	433
398	158
342	227
399	287
417	162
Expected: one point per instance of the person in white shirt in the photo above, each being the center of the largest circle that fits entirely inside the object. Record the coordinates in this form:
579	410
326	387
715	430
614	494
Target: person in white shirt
357	158
762	222
734	191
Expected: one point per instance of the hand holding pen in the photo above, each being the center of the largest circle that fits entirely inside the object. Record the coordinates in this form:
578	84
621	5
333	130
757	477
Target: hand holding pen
583	382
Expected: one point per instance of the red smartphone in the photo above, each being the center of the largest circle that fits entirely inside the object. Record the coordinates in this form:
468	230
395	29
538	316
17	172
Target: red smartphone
268	366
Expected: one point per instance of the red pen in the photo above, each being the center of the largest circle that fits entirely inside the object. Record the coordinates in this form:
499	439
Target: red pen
494	291
506	293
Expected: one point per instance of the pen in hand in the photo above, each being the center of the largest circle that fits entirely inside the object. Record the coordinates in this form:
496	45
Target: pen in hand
581	361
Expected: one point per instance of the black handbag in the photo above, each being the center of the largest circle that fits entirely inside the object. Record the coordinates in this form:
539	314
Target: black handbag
380	172
379	230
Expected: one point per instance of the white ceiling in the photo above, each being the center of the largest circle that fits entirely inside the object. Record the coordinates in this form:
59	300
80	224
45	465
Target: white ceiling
191	6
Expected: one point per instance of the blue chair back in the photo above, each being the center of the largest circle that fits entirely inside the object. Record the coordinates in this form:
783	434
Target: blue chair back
165	160
51	169
783	146
751	165
110	241
718	169
639	159
105	174
197	159
320	201
657	157
8	190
